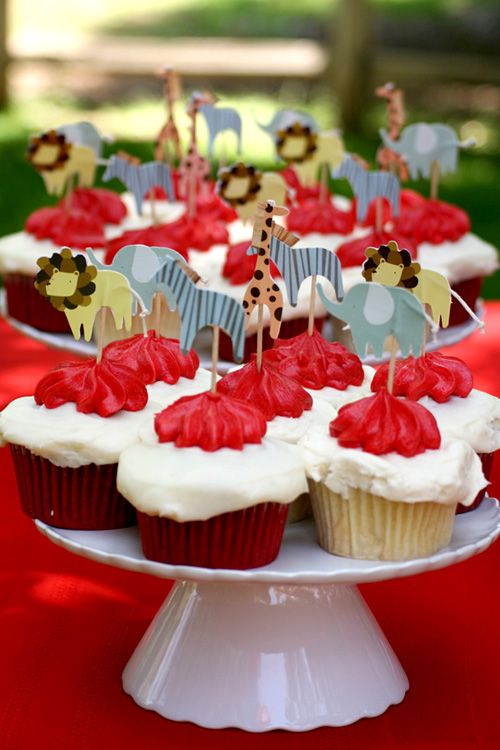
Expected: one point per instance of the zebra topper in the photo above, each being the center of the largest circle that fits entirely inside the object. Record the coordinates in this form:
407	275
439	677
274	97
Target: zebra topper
299	263
203	307
140	179
368	185
218	120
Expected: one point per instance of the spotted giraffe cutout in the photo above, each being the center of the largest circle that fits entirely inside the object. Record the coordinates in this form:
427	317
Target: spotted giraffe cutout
262	289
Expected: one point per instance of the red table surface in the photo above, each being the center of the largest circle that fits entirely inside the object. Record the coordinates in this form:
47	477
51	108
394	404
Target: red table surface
68	627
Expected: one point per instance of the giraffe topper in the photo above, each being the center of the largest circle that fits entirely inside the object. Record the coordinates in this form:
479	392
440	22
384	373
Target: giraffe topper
387	158
194	170
169	132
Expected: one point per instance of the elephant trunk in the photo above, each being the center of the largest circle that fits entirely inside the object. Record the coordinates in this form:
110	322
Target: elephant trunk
335	309
97	263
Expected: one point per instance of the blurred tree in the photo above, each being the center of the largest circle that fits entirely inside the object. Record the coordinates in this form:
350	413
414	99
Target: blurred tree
351	59
3	54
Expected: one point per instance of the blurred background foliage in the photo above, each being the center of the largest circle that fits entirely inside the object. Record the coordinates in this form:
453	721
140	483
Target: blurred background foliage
50	81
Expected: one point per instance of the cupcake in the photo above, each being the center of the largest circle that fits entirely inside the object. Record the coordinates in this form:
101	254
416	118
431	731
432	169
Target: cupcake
209	489
444	386
383	484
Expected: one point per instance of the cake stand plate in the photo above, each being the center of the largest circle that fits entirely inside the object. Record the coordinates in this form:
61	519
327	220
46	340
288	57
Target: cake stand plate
291	645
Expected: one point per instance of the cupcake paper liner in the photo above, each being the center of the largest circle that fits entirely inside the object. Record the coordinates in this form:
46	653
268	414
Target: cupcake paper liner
240	539
469	290
368	527
299	509
82	498
28	306
487	464
289	329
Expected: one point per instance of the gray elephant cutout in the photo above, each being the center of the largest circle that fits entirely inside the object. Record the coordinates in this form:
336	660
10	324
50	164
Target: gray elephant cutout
83	134
374	312
423	143
143	267
218	120
285	118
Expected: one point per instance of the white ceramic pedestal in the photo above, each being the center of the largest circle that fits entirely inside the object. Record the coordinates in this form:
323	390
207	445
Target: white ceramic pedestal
291	645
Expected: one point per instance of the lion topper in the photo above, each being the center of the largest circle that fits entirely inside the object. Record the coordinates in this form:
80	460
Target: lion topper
57	156
80	290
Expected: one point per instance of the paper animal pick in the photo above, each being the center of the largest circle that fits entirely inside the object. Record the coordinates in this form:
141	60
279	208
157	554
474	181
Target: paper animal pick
368	185
140	179
242	186
80	291
393	267
285	118
58	161
387	159
194	170
374	312
169	133
307	151
219	120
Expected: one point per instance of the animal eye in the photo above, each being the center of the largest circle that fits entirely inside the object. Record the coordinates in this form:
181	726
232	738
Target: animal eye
382	261
401	265
55	270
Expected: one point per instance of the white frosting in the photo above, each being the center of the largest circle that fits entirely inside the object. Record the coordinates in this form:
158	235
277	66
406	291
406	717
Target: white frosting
165	394
293	429
19	253
338	398
188	484
467	258
475	419
451	474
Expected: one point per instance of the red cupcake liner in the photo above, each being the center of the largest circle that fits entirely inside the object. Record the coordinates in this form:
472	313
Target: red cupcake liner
487	464
241	539
83	498
289	329
27	305
469	291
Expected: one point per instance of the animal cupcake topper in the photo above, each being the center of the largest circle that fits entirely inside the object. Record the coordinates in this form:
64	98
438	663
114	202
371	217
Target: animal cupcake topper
169	134
368	185
390	266
140	179
242	186
194	170
388	160
220	120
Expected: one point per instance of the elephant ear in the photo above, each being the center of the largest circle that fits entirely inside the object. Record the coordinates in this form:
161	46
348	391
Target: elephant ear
426	138
145	263
379	305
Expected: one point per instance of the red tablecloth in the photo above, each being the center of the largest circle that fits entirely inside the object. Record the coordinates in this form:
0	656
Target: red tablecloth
68	627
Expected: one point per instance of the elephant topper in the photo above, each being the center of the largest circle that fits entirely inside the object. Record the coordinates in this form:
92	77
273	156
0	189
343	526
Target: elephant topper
424	144
73	150
80	291
392	267
368	185
373	312
219	120
242	186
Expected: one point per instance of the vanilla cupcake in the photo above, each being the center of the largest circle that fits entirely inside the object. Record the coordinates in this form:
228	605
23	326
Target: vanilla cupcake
383	485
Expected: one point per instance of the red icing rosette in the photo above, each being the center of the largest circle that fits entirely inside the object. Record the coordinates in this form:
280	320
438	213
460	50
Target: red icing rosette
273	393
103	204
433	221
197	232
320	216
212	206
75	228
432	375
383	423
153	358
409	200
102	388
352	253
210	421
316	363
159	236
239	267
301	192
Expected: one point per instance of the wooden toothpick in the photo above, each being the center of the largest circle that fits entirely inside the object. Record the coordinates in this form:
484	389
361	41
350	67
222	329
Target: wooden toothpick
157	314
215	357
392	364
379	214
312	306
435	173
260	336
100	333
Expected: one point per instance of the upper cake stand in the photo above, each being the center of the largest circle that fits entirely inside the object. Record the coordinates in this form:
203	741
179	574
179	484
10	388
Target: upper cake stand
291	645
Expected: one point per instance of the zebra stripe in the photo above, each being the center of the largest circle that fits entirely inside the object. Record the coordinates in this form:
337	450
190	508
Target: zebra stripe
139	179
203	307
368	185
299	263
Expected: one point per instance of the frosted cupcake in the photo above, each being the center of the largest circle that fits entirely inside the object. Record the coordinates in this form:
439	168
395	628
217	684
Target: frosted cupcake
383	485
209	489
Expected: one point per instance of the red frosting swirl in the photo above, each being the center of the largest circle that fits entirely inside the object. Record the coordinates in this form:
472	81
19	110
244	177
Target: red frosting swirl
316	363
153	358
352	253
383	423
301	192
273	393
371	214
210	421
314	215
211	205
76	228
102	388
198	232
239	267
432	375
103	204
433	221
159	236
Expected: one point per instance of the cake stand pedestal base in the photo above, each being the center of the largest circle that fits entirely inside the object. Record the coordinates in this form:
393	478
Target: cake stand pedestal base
262	656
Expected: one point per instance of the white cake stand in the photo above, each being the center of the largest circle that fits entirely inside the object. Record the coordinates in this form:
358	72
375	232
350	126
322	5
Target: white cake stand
288	646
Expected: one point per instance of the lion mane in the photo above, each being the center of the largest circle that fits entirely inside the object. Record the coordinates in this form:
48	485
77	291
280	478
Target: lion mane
50	138
297	131
391	254
66	262
239	170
